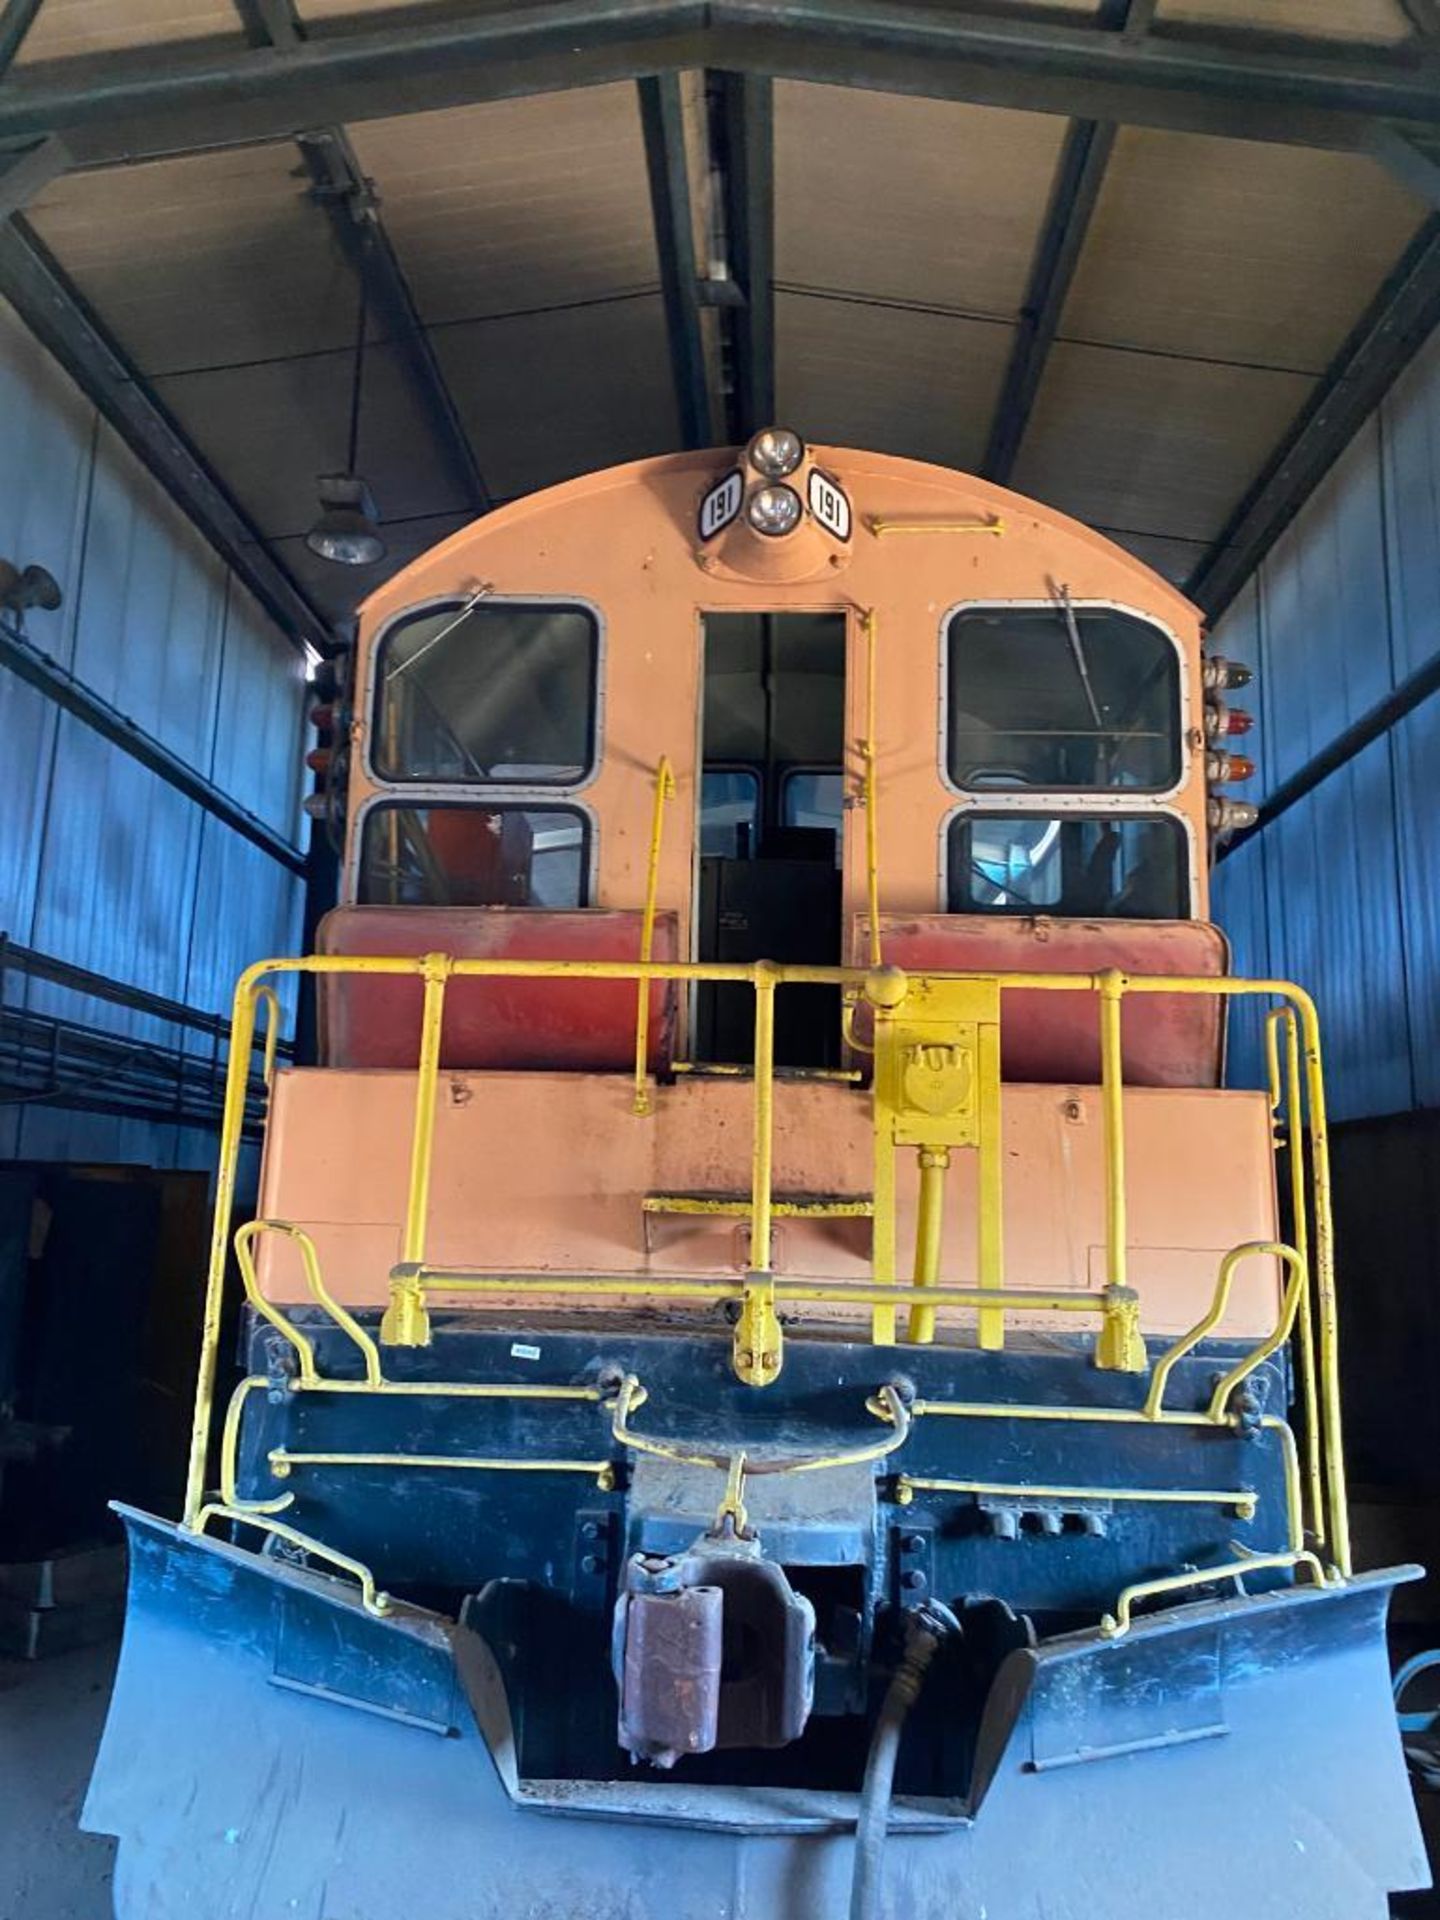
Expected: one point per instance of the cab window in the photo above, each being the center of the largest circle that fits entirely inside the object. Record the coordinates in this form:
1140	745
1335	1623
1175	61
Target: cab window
1076	867
497	691
474	856
1062	699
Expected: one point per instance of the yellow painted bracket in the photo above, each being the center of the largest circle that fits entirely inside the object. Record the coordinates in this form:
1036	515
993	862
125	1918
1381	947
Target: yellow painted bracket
664	790
937	1087
1114	1626
759	1345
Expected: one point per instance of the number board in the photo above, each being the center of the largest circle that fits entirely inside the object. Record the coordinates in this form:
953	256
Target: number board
720	505
830	505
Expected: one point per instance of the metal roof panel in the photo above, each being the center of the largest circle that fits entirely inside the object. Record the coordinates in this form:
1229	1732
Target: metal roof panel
546	396
1150	444
921	200
1233	250
518	205
1367	20
893	378
203	262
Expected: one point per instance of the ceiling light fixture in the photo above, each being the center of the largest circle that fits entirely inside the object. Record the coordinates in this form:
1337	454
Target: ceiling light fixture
346	531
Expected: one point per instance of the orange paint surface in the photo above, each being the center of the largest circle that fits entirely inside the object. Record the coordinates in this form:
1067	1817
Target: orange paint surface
546	1172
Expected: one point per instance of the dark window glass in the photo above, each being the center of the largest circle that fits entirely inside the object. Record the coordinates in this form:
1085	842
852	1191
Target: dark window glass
1037	698
811	798
729	812
474	856
1119	866
501	692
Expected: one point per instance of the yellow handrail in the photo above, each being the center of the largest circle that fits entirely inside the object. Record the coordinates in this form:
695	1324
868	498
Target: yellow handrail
868	754
1300	1228
759	1293
664	790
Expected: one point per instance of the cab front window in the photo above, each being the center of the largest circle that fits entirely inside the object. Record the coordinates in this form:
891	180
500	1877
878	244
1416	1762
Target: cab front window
1116	866
496	691
1061	698
474	856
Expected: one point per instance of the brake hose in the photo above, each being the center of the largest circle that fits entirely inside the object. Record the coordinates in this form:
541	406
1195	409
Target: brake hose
925	1628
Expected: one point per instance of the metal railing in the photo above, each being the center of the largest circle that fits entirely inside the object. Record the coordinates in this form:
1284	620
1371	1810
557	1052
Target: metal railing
1307	1308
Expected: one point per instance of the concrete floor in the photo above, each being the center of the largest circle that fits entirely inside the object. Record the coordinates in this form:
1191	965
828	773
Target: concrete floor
51	1713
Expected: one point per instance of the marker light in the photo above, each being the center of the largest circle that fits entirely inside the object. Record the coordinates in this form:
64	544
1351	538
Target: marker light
1222	721
1224	676
775	452
773	511
1230	816
1222	769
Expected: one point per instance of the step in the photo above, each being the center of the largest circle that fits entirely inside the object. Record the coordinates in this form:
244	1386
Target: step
783	1206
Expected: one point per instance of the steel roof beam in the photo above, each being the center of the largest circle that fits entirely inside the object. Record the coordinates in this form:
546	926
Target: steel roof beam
662	121
16	19
748	120
1078	180
26	171
55	312
177	100
340	187
1397	323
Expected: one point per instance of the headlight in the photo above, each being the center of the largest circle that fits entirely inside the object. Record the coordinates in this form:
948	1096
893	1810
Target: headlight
775	452
773	510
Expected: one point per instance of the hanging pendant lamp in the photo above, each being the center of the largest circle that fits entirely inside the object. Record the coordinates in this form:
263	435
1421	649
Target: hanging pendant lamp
346	531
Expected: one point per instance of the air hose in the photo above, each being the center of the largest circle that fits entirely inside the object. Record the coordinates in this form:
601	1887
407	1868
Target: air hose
925	1629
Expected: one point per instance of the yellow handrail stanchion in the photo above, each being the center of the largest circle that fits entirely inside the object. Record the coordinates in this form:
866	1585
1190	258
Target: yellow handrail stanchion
868	752
1325	1279
270	1000
664	790
232	1123
406	1322
1300	1230
758	1342
1121	1345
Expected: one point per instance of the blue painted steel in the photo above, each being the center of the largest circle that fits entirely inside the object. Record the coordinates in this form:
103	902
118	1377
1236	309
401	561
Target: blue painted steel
1344	609
437	1530
272	1749
100	862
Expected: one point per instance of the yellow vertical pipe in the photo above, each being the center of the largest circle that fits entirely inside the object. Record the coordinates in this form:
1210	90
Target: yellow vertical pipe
882	1233
1300	1235
929	1233
664	790
435	968
1325	1281
237	1079
1112	1093
991	1224
762	1157
872	784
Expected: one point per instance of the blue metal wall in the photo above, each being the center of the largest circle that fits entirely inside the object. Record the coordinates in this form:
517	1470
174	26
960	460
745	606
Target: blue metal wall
102	863
1342	891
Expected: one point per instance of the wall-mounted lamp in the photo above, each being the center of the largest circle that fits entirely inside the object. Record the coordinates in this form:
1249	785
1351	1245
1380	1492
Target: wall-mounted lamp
34	587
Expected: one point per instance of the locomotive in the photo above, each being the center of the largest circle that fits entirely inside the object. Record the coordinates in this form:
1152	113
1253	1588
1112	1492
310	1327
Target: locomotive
776	1378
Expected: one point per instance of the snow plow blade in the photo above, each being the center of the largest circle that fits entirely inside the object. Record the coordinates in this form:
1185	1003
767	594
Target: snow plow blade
274	1748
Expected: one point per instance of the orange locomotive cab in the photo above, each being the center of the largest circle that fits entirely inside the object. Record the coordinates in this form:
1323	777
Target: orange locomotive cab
767	1256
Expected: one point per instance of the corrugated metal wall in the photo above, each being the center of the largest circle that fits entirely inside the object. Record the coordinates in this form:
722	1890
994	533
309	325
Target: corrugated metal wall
102	863
1342	891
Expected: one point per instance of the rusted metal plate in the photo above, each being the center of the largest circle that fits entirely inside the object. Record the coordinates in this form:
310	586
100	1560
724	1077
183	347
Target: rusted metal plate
1169	1040
586	1026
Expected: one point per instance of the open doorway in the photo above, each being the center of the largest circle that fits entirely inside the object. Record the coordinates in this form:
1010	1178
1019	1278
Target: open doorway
771	807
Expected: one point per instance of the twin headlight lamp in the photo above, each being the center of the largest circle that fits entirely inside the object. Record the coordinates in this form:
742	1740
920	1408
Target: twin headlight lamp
774	509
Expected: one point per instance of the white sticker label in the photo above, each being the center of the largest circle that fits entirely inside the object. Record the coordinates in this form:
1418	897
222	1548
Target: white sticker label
720	505
519	1352
829	504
